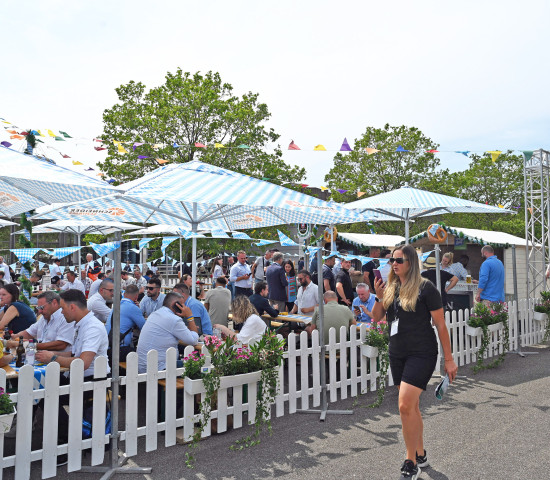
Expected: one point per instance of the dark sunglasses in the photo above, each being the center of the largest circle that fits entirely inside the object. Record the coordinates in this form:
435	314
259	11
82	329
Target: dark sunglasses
398	260
151	288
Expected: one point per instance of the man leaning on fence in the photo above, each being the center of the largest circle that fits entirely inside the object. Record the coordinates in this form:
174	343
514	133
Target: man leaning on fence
90	342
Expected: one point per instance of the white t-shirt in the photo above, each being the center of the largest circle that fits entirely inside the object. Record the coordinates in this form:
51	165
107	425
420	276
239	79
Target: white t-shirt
55	270
307	298
252	331
90	336
56	329
7	275
94	287
77	284
97	305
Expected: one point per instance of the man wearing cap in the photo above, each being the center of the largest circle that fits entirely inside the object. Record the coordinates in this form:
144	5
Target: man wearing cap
431	274
55	269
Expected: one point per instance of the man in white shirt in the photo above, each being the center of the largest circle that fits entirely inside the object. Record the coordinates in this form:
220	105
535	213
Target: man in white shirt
90	342
125	280
307	298
241	276
164	329
141	282
73	283
55	268
94	287
51	331
6	268
97	303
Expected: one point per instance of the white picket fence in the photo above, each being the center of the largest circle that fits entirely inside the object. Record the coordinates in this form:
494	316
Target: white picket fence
348	374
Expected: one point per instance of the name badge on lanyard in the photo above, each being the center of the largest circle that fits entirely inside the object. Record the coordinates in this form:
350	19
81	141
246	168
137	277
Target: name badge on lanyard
395	323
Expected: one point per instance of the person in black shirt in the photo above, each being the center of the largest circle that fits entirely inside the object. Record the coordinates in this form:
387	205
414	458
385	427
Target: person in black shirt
410	304
260	301
368	268
329	282
431	274
344	287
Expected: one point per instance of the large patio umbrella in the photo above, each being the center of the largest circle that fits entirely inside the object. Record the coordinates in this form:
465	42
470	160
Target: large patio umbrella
6	223
28	182
407	203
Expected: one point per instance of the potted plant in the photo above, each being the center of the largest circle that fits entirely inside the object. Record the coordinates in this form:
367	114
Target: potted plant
376	346
7	411
485	319
542	309
233	364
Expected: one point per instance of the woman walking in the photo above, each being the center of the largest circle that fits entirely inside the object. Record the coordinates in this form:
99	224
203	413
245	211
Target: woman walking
411	303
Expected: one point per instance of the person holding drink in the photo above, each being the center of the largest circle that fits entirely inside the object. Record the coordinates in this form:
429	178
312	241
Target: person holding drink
410	304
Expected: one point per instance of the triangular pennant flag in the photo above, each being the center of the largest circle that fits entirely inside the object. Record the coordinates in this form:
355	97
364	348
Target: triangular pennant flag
6	144
465	152
100	261
38	140
144	242
323	189
530	210
65	134
400	149
174	262
200	145
156	146
99	148
340	190
370	151
27	234
494	154
218	145
17	137
137	144
40	133
161	161
12	131
286	241
64	155
111	180
432	151
313	250
89	169
345	146
527	154
360	194
242	145
142	157
293	146
261	243
319	148
175	145
500	206
51	134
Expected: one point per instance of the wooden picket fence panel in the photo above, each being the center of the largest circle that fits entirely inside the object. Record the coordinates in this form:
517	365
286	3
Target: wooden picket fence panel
348	373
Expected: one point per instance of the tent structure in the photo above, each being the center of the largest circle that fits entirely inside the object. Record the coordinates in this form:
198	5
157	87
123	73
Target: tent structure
28	182
407	203
371	240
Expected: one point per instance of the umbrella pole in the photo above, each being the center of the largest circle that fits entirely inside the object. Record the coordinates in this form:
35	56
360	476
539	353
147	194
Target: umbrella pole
181	264
407	228
437	268
324	399
332	241
194	254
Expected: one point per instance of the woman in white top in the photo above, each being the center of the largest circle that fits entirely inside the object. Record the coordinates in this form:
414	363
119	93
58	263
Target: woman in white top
217	269
243	311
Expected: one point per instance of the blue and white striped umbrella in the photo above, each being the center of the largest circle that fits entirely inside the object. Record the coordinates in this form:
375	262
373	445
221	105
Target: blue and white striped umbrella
286	241
103	249
63	252
28	182
203	196
25	254
408	203
79	227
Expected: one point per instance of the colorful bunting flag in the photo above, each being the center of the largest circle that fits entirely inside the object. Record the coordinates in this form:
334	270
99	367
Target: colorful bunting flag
51	134
340	190
89	169
161	161
119	146
59	139
370	151
465	152
494	154
319	148
99	148
156	146
6	144
323	189
65	134
65	155
12	131
345	146
218	145
360	194
137	144
76	162
432	151
242	145
293	146
175	145
40	133
286	241
200	145
400	149
143	157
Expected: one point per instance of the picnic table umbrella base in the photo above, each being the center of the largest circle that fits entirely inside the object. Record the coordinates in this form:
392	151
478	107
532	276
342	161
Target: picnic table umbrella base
324	411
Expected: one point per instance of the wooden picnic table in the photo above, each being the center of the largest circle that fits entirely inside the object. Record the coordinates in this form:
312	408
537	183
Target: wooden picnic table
281	318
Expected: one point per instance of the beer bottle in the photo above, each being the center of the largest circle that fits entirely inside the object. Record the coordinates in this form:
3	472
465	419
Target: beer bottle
20	353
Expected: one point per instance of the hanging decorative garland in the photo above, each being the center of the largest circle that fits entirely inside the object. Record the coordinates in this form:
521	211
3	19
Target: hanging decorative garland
26	268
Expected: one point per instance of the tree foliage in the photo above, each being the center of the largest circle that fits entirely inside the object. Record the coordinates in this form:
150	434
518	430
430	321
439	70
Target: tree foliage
185	110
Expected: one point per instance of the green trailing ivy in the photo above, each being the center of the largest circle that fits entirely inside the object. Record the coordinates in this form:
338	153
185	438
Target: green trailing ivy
26	267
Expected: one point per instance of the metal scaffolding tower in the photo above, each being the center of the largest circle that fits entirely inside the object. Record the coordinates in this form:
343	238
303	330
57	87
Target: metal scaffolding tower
536	173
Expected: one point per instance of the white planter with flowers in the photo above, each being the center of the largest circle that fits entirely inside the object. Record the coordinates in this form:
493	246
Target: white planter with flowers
194	387
6	421
369	351
540	317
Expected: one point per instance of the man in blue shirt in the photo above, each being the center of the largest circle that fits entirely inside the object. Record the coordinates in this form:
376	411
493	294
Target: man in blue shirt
491	277
197	308
241	275
130	316
362	304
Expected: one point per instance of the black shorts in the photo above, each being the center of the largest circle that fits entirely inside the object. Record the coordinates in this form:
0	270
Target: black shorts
413	369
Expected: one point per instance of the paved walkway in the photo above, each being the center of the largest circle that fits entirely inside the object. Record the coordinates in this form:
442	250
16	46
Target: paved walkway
493	425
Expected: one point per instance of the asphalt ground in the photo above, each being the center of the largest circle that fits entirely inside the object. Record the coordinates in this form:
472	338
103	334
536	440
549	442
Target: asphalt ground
492	425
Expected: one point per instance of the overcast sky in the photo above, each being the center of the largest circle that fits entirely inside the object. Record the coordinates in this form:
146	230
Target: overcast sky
472	75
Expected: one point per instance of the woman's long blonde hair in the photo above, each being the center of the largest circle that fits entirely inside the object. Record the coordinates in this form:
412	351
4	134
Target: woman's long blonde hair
242	308
408	293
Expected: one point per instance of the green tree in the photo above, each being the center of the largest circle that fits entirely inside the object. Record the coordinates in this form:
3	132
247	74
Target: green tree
185	110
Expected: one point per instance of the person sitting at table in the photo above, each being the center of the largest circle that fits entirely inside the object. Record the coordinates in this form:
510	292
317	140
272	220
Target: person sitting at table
90	342
141	283
73	283
164	329
308	295
36	282
130	318
126	280
218	302
334	316
197	308
363	303
55	268
51	331
94	287
260	301
244	312
97	303
15	315
153	299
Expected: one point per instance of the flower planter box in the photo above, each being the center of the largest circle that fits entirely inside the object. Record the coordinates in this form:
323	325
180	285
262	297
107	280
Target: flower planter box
540	317
474	332
194	387
6	421
369	351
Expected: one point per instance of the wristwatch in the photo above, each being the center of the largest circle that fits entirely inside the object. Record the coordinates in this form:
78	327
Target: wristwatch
52	359
376	299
